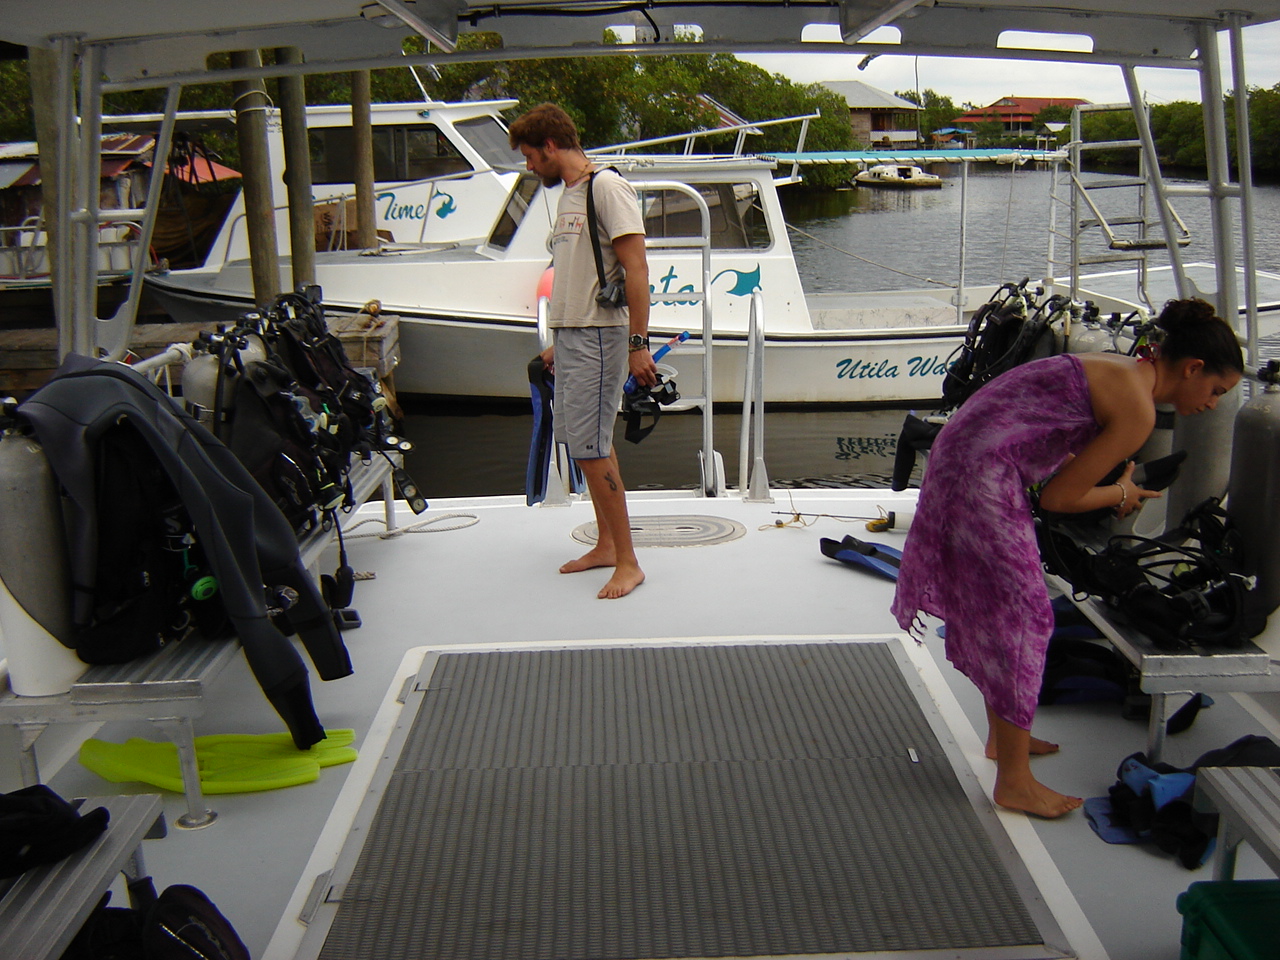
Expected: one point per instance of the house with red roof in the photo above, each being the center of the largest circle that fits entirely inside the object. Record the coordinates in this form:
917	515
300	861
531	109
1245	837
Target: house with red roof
1016	114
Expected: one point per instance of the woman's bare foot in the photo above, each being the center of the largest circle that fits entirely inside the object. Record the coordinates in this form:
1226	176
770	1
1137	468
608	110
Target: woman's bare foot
625	579
1039	748
596	557
1035	799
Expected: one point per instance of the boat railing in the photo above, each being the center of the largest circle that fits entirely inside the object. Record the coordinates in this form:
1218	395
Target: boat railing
753	478
24	251
712	467
742	129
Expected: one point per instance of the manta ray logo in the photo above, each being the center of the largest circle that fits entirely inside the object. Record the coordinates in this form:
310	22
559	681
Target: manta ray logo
447	207
744	283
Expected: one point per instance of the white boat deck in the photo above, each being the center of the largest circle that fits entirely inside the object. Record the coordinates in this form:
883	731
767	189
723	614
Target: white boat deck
494	584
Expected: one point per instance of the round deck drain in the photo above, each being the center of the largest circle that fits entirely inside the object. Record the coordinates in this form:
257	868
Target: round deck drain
672	531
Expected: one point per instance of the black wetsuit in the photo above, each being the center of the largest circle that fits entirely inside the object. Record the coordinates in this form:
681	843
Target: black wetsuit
246	539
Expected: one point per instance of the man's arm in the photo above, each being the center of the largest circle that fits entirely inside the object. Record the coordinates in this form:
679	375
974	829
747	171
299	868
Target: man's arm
630	251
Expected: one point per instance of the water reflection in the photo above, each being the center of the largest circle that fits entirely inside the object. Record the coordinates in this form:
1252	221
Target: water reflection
466	450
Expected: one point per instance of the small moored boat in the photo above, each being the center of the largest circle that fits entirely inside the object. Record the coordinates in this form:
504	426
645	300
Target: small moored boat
904	175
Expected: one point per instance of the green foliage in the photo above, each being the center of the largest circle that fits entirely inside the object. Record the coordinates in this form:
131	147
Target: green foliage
623	98
1178	129
938	112
1053	113
989	133
17	121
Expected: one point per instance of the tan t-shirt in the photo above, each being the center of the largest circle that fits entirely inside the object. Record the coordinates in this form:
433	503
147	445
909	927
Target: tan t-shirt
573	294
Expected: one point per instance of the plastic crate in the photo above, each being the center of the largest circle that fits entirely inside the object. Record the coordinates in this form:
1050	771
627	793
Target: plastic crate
1231	920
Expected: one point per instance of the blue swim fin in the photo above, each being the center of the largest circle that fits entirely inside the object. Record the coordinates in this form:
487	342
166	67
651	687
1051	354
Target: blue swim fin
541	388
876	558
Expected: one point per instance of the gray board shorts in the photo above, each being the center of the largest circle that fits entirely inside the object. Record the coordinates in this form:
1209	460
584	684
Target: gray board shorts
590	367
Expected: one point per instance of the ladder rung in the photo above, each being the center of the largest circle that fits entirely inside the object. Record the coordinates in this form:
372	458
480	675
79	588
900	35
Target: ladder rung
1150	243
1111	144
129	214
1114	258
1114	182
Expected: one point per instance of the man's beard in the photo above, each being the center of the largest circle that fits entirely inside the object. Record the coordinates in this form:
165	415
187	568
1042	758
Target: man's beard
554	181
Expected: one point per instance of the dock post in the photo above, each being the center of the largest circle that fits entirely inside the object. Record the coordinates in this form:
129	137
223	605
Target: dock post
292	97
260	218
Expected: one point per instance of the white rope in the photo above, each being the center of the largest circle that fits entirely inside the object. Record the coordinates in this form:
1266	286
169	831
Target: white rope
422	526
883	266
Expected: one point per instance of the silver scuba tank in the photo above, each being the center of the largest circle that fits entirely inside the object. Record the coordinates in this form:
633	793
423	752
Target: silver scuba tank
35	573
200	379
1089	337
1254	490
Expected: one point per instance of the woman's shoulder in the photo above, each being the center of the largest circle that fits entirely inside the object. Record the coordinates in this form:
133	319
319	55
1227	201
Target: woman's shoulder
1117	386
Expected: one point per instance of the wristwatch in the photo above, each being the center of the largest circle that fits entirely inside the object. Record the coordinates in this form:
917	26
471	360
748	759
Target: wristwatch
636	342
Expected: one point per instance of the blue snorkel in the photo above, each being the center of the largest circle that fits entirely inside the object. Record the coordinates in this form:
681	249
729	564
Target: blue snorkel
662	351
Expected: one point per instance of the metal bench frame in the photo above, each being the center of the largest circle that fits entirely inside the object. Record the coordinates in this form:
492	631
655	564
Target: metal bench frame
46	906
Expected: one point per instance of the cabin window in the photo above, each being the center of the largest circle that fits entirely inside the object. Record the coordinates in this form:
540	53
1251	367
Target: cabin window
514	212
737	221
400	152
489	138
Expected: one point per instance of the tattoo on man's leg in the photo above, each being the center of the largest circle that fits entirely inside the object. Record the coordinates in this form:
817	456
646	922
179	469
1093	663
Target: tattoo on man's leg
613	484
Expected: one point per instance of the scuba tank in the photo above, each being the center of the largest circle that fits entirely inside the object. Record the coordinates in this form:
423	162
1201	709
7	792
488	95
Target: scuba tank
1090	337
1254	486
222	362
35	573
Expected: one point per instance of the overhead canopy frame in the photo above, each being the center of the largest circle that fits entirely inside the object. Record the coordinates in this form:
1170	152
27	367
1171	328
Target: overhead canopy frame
154	43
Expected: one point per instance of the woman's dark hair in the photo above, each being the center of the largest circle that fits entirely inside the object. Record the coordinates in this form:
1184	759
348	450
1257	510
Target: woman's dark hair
1193	330
544	122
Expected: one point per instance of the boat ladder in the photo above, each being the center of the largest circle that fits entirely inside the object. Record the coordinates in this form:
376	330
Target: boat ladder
1141	221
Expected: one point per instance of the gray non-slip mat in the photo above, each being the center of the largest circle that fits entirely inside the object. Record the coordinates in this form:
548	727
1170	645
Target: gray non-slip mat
745	801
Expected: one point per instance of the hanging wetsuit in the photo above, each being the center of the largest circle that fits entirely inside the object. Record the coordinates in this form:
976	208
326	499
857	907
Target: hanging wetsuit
246	540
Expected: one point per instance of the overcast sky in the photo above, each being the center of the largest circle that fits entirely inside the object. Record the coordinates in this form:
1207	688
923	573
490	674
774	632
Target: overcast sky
982	82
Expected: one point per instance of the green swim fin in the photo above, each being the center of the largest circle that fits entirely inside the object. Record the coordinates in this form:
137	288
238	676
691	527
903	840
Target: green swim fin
228	763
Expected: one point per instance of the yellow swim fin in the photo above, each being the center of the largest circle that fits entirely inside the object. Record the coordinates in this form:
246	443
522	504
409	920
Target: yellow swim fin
228	763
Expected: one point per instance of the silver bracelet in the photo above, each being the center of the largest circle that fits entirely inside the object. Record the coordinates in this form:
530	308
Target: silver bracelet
1124	497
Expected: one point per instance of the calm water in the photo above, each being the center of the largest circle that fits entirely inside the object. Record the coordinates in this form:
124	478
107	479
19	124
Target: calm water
483	449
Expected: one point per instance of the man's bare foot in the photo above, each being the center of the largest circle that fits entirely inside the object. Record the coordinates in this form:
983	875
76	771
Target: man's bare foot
1036	800
1039	748
595	557
625	579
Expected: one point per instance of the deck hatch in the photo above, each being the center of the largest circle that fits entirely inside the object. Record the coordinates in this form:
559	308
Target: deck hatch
697	801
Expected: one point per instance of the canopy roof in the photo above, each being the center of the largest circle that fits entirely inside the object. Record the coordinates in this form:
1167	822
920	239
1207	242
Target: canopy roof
146	42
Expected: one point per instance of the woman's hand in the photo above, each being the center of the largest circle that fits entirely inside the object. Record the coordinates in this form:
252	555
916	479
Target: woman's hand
1134	495
549	359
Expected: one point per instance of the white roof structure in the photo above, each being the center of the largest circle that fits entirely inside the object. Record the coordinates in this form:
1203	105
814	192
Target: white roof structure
863	96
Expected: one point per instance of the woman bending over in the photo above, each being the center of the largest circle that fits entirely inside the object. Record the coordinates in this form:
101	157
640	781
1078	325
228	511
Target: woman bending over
971	558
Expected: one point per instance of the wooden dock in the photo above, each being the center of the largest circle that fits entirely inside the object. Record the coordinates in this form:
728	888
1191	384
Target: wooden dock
28	358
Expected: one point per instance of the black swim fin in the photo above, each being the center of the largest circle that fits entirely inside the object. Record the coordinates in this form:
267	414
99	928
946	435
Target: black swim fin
541	389
876	558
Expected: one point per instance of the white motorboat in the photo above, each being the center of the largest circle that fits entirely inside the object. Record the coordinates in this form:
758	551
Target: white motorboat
480	300
441	171
899	176
580	781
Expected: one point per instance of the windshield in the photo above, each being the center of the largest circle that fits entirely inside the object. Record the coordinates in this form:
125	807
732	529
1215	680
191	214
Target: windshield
737	221
489	137
514	212
400	152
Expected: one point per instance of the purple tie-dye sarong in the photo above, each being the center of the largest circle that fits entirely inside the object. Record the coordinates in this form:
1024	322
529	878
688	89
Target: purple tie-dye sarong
971	558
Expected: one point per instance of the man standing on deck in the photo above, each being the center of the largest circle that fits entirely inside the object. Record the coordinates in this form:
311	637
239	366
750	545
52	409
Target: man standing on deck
596	343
